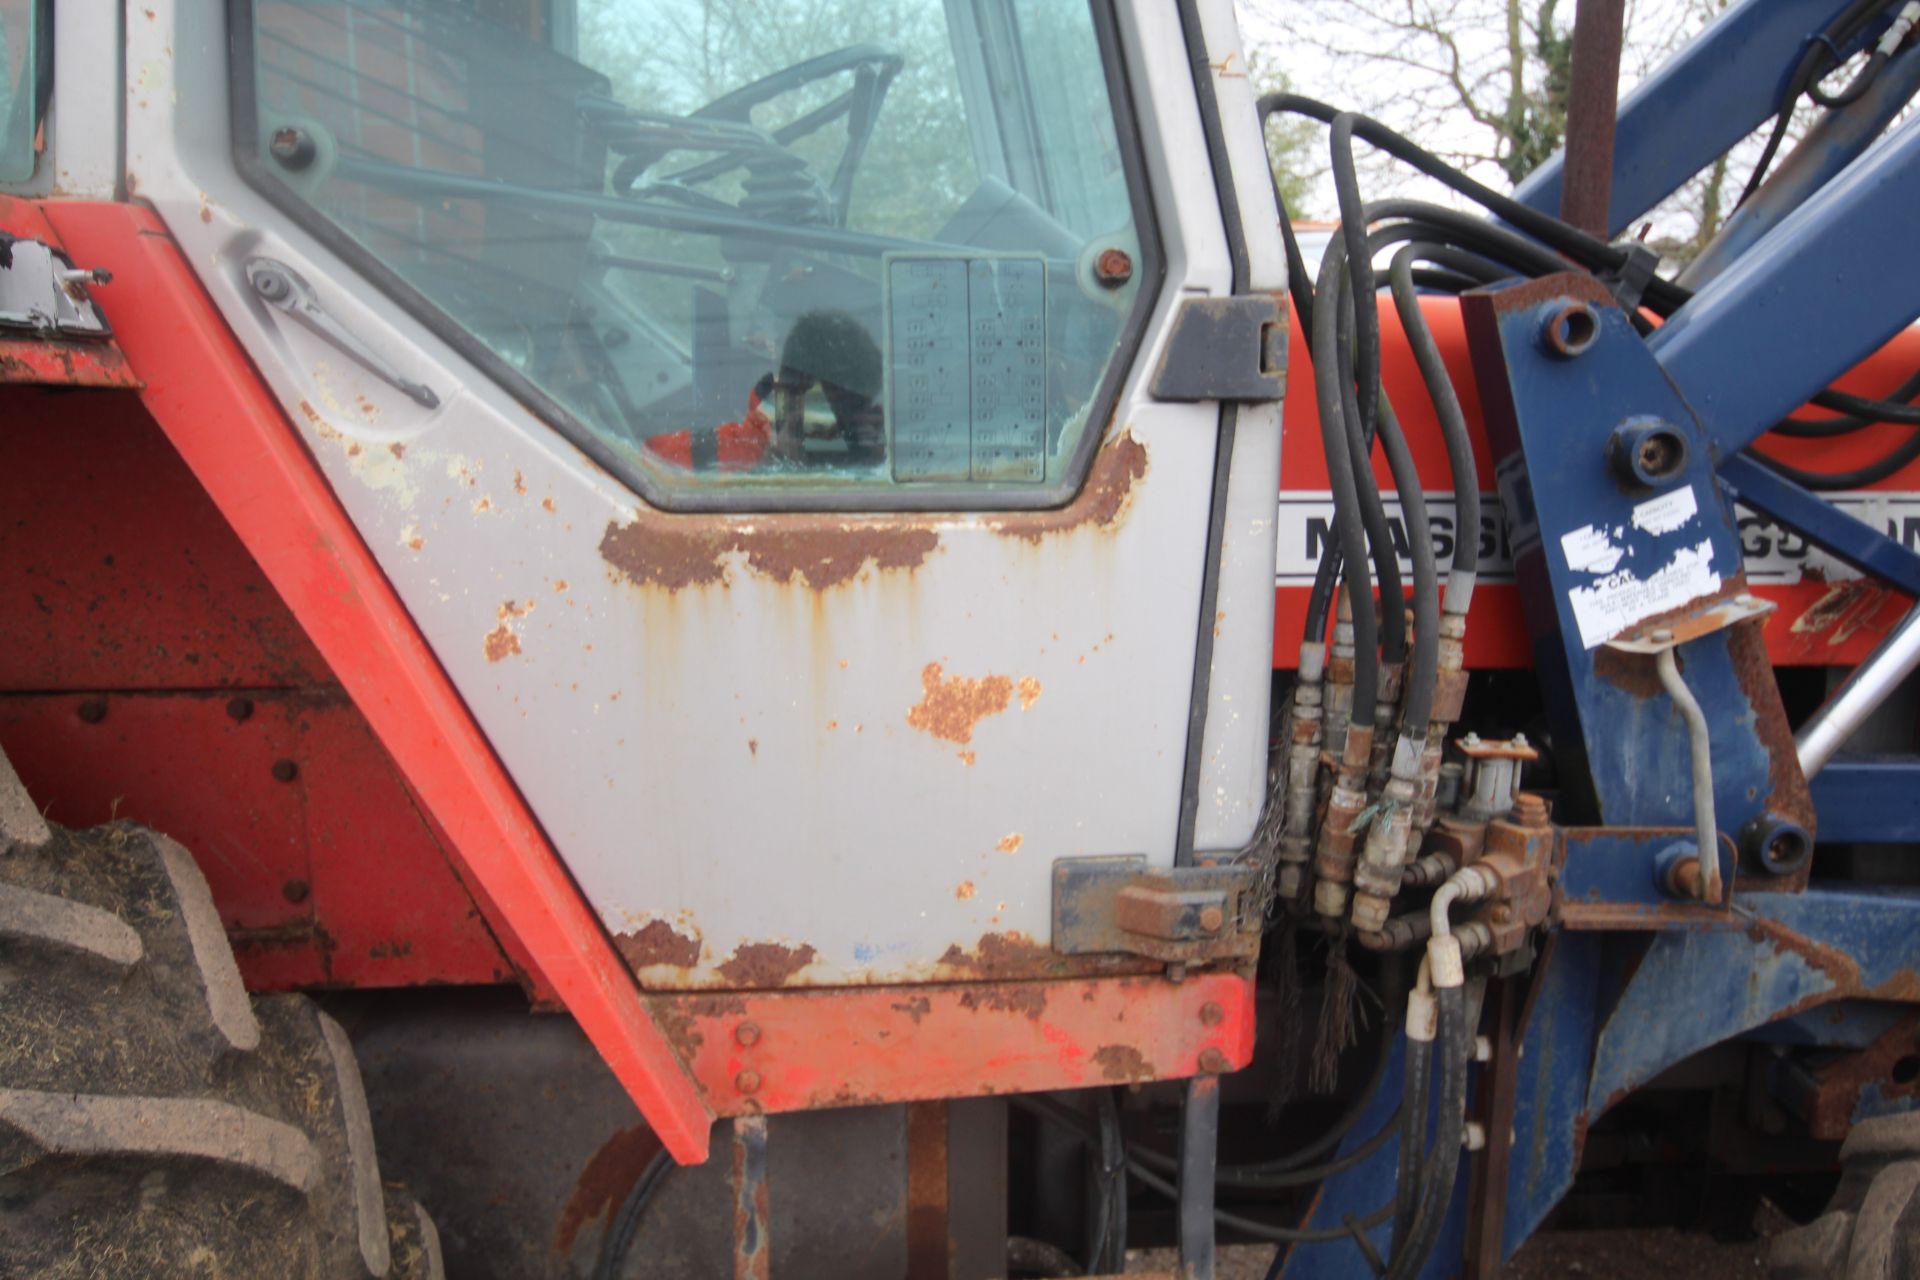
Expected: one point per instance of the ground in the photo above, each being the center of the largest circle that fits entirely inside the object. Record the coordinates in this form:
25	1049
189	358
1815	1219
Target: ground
1599	1255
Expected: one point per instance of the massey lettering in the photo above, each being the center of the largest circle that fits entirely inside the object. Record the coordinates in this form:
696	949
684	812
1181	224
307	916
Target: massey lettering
1773	554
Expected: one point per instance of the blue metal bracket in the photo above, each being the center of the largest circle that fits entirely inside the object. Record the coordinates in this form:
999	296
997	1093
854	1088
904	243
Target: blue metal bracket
1821	523
1607	550
1745	349
1720	86
1869	799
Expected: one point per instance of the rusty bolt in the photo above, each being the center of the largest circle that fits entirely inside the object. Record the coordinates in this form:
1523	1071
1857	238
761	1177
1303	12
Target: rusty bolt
1572	329
92	710
295	890
1212	918
1529	810
746	1034
1113	267
1211	1014
285	770
293	148
747	1081
1213	1062
240	709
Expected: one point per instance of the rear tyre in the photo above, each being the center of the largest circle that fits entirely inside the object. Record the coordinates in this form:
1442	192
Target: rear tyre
1871	1227
156	1120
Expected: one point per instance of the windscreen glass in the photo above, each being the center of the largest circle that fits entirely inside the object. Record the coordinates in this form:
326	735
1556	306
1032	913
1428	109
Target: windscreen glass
756	247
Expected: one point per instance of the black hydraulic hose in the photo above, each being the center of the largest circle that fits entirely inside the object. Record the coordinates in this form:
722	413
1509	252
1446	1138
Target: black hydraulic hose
1077	1125
1446	404
1424	672
1413	1133
1443	1162
1109	1250
1848	423
1373	511
1859	477
1353	229
1815	61
618	1240
1348	529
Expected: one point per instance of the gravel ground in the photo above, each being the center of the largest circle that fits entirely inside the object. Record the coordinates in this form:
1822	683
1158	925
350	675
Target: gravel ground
1599	1255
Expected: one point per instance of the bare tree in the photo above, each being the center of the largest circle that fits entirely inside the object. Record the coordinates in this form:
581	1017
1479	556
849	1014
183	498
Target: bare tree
1482	83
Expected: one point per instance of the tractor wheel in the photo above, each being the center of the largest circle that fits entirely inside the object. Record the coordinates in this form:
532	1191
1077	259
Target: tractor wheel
1871	1227
156	1120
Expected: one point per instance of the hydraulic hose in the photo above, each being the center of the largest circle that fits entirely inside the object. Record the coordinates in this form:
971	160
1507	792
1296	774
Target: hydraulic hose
1353	229
1443	1162
1348	529
1360	434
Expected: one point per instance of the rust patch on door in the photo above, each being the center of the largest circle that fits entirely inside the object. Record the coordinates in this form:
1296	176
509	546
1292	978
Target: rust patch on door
1122	1063
761	965
605	1181
821	552
1101	504
500	643
1010	843
952	705
658	943
1029	693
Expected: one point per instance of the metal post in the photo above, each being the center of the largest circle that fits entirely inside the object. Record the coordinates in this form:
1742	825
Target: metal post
1593	98
752	1255
1891	662
1199	1147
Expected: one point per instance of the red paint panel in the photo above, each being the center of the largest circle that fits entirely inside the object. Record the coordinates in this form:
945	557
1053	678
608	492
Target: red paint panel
204	393
90	362
1812	626
324	875
124	575
800	1050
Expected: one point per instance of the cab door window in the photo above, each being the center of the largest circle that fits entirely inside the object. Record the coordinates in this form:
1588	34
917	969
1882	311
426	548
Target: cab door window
860	253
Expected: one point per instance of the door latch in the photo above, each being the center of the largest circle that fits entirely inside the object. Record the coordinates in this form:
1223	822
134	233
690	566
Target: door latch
1181	914
1225	349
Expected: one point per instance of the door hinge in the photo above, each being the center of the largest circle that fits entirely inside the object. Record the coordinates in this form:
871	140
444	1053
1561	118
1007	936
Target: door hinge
1225	349
1177	914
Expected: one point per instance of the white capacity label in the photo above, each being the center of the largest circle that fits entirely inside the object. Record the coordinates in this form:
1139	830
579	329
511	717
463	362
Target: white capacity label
1773	554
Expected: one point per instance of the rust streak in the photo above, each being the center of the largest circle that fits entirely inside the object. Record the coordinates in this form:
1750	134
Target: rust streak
1103	500
605	1181
822	552
1028	999
952	706
1122	1063
756	965
658	943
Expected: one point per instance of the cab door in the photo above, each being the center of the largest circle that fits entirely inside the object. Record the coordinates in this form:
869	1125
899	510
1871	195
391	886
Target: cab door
765	423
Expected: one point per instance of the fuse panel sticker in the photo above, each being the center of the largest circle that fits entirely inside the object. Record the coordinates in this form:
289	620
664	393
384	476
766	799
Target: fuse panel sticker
966	367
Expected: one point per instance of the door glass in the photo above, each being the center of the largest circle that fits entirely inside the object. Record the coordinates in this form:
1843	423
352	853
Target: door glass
22	64
855	247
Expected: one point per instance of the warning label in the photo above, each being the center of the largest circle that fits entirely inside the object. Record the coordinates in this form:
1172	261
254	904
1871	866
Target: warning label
1773	554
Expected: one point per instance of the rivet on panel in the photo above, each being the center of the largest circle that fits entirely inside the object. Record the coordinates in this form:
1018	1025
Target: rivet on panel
746	1034
747	1081
1212	1014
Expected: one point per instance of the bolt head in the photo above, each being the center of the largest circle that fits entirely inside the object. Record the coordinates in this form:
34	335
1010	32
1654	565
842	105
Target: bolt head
296	890
1213	1062
1211	1014
92	710
285	770
239	709
746	1035
747	1081
1113	267
1212	919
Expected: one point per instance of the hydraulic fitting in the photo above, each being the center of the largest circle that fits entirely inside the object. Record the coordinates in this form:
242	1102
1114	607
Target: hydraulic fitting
1334	857
1378	876
1339	699
1303	774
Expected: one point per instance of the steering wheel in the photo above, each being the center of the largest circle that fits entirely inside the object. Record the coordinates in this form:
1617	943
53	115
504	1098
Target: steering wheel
778	183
